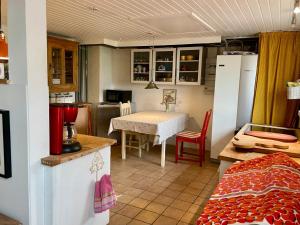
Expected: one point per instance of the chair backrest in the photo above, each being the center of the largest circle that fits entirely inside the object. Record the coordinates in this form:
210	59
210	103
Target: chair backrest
83	121
125	108
206	123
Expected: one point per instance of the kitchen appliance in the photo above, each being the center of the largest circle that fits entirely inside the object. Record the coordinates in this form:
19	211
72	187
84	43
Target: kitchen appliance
233	98
62	130
70	143
56	117
117	96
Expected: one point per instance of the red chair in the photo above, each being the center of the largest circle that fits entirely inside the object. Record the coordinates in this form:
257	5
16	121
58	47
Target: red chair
193	137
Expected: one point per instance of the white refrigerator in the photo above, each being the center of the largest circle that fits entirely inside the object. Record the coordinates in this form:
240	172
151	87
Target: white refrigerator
233	98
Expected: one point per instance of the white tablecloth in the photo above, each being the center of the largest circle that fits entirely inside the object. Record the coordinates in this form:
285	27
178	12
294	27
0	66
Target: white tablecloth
161	124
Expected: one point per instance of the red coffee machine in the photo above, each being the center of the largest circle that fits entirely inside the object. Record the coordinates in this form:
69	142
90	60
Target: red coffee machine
63	134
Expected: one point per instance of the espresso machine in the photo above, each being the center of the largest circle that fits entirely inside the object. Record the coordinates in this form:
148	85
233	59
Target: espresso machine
63	134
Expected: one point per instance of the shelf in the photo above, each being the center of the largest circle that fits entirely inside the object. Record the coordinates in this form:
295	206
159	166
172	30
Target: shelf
4	81
141	62
141	72
164	61
189	61
195	71
164	71
140	81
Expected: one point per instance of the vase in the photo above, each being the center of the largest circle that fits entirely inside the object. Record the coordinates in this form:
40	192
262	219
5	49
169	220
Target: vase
167	107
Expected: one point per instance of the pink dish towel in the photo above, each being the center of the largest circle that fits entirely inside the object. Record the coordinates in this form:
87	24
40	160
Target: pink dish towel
104	197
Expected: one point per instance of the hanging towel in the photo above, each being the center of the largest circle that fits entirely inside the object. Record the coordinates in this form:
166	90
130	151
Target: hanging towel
105	197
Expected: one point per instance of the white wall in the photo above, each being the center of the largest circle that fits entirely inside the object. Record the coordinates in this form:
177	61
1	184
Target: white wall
93	83
190	99
22	196
99	70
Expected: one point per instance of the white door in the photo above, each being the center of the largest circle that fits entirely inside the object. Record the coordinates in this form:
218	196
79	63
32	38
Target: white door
225	101
246	90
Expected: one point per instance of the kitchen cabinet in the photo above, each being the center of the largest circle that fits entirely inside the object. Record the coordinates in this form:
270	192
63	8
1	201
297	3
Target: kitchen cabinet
62	65
141	65
189	65
165	67
164	60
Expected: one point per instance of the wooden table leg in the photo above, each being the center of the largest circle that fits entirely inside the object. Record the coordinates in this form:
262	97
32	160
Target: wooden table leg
163	154
148	139
123	144
140	146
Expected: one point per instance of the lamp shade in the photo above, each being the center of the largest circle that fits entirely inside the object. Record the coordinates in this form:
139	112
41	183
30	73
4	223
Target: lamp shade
3	47
151	85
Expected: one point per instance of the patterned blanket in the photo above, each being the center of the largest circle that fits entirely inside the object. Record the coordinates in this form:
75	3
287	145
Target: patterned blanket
264	190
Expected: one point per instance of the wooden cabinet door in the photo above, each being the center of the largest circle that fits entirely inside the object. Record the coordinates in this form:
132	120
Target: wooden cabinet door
62	65
71	67
55	65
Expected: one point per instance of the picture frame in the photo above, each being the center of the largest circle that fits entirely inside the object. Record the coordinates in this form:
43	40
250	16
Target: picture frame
5	145
170	92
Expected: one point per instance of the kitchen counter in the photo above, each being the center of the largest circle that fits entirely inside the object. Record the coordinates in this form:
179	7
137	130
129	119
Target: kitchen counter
89	145
4	220
229	155
70	183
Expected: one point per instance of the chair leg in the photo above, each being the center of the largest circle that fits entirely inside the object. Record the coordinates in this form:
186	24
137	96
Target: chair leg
130	140
176	151
200	154
181	149
203	150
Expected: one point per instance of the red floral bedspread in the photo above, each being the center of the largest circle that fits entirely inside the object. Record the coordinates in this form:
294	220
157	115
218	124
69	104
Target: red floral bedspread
264	190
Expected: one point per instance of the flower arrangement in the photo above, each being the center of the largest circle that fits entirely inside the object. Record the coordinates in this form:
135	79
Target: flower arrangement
167	99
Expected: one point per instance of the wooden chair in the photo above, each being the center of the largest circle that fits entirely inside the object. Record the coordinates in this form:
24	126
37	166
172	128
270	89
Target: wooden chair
193	137
83	121
142	140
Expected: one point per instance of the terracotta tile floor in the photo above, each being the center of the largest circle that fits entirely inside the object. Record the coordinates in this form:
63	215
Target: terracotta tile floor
149	194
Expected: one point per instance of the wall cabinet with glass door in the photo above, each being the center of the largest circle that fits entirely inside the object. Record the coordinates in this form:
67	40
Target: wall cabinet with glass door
141	65
164	60
62	65
189	62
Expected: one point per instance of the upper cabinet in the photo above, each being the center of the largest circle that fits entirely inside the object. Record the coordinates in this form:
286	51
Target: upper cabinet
62	65
141	65
189	62
164	61
165	67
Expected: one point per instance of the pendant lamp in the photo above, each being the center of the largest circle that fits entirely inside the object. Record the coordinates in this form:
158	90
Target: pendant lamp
151	84
3	44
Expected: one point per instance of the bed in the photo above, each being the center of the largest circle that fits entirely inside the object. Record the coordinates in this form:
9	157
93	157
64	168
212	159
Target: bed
264	190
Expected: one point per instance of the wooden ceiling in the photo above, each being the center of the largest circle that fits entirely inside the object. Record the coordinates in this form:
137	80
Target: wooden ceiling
124	22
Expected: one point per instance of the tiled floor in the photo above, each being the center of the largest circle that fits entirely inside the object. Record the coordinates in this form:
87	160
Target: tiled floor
149	194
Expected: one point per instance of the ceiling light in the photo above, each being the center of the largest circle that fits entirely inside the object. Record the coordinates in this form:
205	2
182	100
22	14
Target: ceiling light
194	16
297	6
151	84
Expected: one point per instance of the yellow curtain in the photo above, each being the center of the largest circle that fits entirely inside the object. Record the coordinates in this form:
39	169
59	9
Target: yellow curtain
279	62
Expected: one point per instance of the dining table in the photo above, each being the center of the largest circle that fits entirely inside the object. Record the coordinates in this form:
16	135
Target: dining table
162	125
